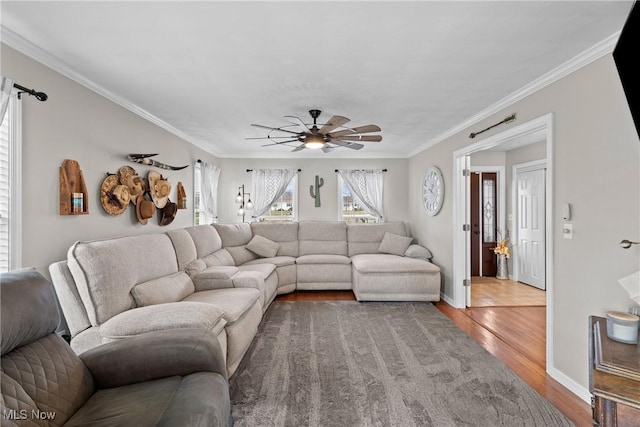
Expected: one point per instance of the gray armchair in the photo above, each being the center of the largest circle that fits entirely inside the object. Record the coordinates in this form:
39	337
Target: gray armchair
165	378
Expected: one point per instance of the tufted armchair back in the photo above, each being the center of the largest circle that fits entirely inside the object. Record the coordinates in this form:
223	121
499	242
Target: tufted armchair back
43	381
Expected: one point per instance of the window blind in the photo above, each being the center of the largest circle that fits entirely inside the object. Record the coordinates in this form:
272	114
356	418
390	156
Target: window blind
4	194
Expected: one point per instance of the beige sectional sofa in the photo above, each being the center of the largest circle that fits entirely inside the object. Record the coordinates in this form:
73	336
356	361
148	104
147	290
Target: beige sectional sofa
223	277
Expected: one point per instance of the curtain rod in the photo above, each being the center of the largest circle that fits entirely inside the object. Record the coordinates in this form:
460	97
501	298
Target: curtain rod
40	96
251	170
506	120
383	170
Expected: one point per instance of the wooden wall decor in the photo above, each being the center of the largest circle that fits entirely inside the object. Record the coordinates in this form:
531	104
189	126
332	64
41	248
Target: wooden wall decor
74	198
182	196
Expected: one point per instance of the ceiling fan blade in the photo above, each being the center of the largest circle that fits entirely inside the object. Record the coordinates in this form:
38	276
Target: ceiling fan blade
359	129
279	129
298	122
269	137
368	138
334	122
352	145
327	148
280	142
298	148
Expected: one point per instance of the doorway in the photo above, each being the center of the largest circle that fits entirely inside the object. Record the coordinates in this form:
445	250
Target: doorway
484	222
540	129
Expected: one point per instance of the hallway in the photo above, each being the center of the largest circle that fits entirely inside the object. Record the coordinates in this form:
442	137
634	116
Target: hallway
492	292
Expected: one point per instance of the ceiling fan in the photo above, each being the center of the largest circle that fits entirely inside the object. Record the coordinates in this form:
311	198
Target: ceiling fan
327	137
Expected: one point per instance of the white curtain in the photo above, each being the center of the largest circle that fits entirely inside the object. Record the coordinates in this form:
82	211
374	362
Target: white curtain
267	186
366	188
6	86
209	177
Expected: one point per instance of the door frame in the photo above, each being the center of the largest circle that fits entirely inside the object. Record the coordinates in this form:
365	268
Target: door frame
501	193
520	135
520	168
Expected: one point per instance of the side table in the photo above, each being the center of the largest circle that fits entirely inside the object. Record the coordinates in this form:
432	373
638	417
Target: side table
614	374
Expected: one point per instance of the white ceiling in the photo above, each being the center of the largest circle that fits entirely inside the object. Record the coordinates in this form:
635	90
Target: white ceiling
206	70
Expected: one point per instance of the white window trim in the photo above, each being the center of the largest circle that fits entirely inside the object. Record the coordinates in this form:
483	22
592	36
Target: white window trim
14	113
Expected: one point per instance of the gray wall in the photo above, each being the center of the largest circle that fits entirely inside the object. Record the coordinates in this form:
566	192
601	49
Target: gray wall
597	170
234	174
76	123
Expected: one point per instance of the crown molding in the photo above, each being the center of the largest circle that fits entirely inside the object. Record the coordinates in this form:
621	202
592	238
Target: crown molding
29	49
595	52
599	50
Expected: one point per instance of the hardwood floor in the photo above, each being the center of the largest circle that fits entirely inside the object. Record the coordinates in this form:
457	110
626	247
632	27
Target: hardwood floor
491	292
516	336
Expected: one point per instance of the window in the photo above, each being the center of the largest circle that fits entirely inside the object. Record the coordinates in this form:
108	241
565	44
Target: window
10	187
286	207
350	211
199	214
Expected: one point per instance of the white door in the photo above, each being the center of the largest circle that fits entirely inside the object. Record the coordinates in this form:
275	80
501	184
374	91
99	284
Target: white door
531	228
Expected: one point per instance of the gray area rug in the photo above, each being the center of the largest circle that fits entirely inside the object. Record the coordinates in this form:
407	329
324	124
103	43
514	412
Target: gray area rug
376	364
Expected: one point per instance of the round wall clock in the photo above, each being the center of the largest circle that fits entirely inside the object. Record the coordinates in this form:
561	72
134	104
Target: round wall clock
433	191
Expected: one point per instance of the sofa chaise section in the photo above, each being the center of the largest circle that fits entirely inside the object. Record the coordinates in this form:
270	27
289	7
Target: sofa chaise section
389	266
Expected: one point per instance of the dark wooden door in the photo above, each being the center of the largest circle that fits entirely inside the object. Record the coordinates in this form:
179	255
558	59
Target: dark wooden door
489	223
483	205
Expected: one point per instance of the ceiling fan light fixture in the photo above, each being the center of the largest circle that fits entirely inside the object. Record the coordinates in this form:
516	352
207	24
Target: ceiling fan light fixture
314	142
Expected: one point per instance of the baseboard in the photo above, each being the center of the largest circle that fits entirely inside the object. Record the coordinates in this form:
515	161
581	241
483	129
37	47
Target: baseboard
446	299
567	382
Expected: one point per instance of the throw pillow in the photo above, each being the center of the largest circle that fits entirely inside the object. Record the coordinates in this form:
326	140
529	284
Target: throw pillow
172	288
394	244
418	251
263	247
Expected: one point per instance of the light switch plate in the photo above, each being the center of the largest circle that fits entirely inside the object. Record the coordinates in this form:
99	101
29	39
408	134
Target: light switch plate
567	231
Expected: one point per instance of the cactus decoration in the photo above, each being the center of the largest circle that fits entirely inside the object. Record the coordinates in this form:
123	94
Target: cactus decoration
316	195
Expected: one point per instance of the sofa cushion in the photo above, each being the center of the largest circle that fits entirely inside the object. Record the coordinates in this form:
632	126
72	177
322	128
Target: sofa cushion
394	244
165	289
366	238
264	269
219	272
263	247
391	264
278	261
175	315
105	271
51	374
217	277
233	302
162	402
286	234
29	310
323	259
241	254
205	238
194	267
221	257
234	234
186	251
322	237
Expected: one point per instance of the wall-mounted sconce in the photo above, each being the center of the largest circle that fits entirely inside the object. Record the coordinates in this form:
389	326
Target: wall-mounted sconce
245	202
626	244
